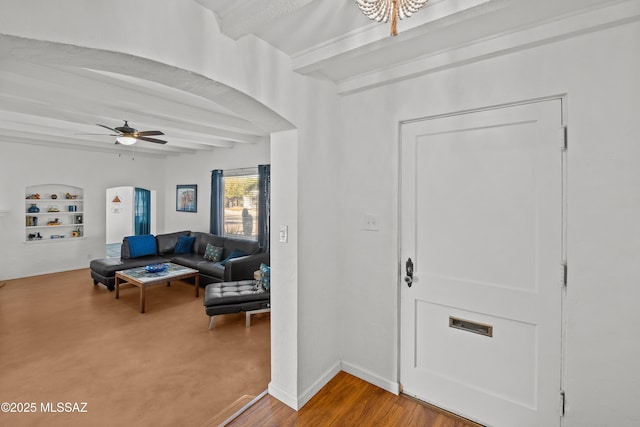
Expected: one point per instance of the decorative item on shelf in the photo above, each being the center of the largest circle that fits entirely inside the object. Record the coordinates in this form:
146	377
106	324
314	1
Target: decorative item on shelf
116	199
32	221
76	232
53	209
54	196
70	196
33	196
33	208
34	236
78	219
54	222
73	208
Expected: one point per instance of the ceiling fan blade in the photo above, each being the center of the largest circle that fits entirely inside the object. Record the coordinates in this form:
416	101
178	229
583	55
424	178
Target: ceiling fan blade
107	127
157	141
150	133
95	134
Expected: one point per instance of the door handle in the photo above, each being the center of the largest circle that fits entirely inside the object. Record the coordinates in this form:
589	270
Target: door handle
409	269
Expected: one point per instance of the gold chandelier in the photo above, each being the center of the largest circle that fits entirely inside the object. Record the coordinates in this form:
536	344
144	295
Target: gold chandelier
383	10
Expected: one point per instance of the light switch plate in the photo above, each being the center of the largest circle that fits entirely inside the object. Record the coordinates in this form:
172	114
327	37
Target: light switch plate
371	222
284	234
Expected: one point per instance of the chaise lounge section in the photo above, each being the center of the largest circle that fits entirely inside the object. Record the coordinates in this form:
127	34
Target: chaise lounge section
237	258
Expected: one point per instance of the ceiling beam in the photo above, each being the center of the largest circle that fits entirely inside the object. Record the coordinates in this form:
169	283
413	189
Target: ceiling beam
371	39
20	138
252	16
98	99
191	105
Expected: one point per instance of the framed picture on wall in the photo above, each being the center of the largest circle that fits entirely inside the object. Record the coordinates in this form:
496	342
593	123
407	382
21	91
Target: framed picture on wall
187	198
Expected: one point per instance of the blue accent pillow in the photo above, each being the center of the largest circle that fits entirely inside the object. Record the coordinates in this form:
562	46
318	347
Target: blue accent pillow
184	245
265	276
142	245
236	253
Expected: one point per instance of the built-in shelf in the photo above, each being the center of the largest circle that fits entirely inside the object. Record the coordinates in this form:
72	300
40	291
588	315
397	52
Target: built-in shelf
63	239
53	212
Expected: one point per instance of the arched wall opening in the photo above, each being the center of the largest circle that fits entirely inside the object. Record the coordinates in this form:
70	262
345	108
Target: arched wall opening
181	46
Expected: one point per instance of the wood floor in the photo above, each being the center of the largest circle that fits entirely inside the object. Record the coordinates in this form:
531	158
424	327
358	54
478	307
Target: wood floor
64	340
349	401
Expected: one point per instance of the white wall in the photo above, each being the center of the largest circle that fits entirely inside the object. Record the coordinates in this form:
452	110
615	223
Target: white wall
284	267
94	172
196	169
320	281
599	72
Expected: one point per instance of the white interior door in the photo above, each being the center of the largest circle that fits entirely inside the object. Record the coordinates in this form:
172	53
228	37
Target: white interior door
481	219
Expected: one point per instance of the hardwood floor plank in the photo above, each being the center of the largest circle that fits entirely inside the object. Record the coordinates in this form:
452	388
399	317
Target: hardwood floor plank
348	401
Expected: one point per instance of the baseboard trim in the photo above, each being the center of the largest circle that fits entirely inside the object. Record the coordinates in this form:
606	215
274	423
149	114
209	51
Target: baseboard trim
298	402
368	376
321	382
284	397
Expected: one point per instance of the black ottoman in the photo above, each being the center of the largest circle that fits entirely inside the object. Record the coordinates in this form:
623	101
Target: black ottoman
236	297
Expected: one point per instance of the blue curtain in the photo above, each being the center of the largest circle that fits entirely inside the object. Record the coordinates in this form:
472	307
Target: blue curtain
264	206
217	203
142	212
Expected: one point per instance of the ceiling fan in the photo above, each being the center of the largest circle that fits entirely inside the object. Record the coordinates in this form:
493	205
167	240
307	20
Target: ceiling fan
127	135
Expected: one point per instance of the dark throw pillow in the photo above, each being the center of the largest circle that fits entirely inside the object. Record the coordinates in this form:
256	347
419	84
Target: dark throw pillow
213	253
236	253
142	245
184	245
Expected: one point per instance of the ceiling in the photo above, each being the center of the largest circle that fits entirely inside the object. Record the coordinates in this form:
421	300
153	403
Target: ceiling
54	97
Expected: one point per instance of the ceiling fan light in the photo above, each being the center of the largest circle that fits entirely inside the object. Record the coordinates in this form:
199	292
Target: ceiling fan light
126	140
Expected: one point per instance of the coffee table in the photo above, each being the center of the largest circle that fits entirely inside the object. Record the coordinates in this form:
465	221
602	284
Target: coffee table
142	278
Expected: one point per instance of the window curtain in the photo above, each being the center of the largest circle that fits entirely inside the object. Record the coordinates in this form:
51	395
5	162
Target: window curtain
216	225
264	206
142	212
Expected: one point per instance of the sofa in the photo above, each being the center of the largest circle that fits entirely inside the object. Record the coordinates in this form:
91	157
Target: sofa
229	259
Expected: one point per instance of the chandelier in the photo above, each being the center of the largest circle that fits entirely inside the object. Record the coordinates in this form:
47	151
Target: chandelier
383	10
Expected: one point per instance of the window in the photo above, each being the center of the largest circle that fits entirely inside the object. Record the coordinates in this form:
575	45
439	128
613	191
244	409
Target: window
240	201
241	204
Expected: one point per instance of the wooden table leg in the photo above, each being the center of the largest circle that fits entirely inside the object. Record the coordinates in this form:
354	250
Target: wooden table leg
142	298
197	277
117	287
